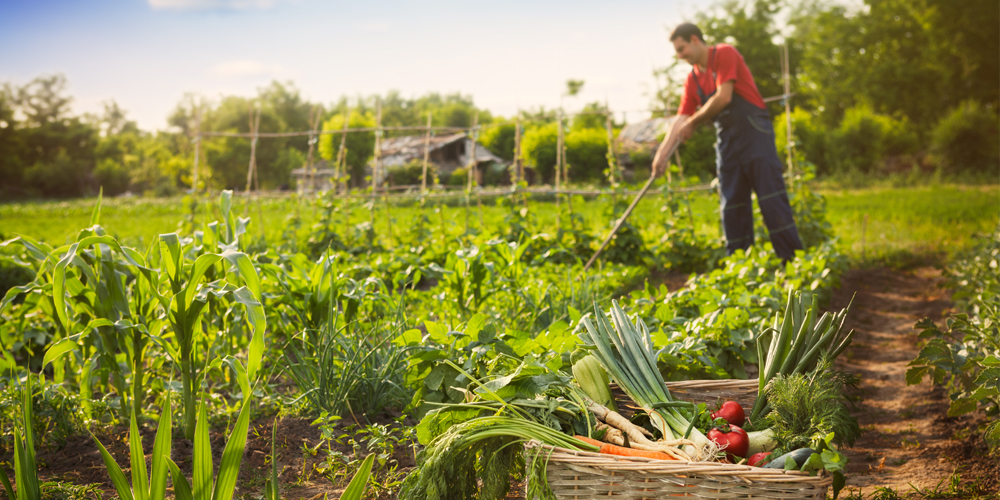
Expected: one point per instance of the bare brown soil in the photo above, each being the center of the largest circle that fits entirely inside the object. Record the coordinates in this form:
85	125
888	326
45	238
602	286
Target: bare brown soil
909	441
300	450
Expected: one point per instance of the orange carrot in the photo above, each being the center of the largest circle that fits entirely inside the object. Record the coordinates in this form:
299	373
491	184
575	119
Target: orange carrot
588	440
611	449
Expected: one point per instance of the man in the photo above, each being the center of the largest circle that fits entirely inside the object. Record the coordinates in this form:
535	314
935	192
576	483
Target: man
720	88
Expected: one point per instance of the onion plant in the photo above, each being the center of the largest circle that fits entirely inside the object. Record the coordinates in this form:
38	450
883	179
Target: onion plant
350	368
626	353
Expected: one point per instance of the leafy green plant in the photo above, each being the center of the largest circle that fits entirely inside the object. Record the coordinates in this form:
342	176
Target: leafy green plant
964	354
349	368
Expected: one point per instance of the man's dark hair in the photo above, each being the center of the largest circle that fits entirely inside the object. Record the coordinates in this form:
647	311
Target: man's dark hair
686	31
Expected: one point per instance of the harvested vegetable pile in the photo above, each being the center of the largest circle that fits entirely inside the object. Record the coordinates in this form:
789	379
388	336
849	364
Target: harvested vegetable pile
472	449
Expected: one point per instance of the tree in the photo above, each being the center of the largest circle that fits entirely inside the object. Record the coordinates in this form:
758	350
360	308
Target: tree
360	145
539	148
499	139
43	101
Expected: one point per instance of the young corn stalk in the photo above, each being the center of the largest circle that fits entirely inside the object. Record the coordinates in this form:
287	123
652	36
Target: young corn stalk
25	470
188	296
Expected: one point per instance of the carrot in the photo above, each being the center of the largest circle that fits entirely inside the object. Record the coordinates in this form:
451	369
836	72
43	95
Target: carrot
611	449
592	441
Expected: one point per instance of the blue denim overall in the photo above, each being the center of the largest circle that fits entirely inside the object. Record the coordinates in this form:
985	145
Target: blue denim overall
747	159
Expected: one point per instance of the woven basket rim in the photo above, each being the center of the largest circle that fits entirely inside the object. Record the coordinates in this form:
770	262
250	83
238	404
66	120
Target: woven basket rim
652	465
728	383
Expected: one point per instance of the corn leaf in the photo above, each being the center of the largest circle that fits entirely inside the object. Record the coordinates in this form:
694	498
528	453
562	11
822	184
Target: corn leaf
115	472
202	457
140	485
182	488
356	489
232	456
161	454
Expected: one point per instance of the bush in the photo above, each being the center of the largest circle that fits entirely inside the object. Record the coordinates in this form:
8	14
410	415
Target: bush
698	153
586	154
495	174
499	139
459	177
808	134
965	140
411	173
539	150
59	176
865	139
112	176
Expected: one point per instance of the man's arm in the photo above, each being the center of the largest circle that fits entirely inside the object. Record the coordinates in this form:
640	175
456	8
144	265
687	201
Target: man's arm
714	106
684	126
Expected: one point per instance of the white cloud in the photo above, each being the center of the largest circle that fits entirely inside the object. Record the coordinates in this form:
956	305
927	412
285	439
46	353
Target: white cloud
246	69
213	4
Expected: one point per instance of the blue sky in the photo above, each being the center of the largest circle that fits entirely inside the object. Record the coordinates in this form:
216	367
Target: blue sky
146	54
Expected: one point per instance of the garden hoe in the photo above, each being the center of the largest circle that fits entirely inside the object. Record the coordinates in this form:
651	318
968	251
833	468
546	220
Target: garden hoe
628	211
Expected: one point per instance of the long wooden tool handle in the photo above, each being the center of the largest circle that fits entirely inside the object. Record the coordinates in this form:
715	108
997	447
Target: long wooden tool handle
628	211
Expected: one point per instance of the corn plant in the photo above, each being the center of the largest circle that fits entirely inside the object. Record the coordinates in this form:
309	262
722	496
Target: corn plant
113	295
144	487
206	485
184	274
25	471
94	286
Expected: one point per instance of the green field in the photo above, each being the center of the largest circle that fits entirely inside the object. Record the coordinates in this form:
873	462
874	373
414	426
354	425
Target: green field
904	223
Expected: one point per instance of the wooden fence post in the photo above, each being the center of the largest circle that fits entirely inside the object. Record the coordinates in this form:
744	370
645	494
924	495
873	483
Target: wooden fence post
314	115
197	148
252	169
376	158
427	153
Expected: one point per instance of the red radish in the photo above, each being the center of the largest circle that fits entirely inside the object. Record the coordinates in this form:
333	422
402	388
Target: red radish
732	439
732	412
757	459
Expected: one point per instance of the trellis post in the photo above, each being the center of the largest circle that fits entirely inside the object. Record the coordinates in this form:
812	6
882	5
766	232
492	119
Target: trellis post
788	107
314	115
197	148
376	158
252	169
427	153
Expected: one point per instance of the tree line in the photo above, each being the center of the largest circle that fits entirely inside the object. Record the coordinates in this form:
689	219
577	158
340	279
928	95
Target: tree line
888	86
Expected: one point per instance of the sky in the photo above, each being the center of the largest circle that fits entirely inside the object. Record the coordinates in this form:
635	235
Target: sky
146	54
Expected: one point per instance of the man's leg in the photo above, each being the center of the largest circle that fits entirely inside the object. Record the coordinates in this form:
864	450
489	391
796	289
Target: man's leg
737	208
773	201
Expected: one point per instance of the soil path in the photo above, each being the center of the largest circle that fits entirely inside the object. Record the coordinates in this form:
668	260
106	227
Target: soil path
909	441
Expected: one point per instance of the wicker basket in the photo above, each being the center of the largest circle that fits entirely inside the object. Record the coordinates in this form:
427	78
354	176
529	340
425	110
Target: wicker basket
585	476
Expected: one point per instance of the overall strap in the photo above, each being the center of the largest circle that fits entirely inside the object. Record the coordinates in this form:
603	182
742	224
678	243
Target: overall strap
701	93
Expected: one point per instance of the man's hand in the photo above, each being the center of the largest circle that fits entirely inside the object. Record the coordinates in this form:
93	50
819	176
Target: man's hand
674	137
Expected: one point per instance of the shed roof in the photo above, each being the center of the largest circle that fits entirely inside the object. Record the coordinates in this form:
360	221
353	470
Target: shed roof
646	131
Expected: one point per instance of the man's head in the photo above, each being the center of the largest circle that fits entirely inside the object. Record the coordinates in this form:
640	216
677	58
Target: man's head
689	43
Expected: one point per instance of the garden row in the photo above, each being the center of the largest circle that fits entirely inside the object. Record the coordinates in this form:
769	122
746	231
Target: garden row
964	354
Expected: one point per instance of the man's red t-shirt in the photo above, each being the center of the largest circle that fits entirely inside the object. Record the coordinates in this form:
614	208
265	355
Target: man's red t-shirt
727	64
